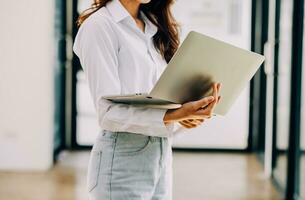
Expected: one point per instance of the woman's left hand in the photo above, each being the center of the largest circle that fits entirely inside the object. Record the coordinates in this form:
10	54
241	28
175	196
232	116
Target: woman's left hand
193	123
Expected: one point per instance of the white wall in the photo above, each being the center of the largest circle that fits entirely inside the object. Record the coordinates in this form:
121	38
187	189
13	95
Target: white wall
26	84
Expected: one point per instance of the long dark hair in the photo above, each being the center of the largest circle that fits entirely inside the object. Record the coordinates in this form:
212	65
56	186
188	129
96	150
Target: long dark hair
166	40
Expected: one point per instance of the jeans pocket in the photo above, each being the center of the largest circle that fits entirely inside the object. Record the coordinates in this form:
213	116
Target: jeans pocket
131	143
93	169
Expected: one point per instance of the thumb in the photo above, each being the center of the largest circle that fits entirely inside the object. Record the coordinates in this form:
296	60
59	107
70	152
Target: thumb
203	102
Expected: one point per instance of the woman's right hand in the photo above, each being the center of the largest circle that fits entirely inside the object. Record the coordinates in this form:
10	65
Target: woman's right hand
196	110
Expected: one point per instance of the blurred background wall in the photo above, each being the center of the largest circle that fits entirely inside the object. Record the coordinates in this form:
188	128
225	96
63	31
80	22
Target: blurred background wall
47	115
27	58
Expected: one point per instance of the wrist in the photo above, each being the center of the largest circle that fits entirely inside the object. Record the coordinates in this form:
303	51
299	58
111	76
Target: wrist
168	118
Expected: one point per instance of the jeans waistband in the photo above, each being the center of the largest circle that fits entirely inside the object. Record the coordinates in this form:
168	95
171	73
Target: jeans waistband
114	135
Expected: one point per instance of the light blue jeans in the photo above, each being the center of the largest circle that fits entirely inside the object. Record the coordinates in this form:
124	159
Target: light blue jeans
129	166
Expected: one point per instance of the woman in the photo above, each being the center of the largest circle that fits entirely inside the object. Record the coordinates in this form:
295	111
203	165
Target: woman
123	47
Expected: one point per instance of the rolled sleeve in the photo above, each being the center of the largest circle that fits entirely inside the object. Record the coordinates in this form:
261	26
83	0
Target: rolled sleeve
146	121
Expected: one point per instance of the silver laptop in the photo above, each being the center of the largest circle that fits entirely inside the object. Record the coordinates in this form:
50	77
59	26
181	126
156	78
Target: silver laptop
198	62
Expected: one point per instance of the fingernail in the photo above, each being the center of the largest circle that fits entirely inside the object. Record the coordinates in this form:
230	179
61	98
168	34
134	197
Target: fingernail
211	98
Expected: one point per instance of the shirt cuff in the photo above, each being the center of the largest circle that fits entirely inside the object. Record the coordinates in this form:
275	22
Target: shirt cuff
151	124
166	129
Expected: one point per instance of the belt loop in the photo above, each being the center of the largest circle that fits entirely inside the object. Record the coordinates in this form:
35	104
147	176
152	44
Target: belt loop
115	134
161	152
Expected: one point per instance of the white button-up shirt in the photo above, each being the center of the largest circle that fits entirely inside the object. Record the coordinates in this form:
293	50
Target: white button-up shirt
119	58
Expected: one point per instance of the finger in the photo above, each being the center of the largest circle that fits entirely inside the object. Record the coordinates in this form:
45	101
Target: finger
186	122
215	85
219	97
186	125
203	102
201	120
203	114
215	95
194	122
193	117
219	88
210	107
191	121
215	91
183	125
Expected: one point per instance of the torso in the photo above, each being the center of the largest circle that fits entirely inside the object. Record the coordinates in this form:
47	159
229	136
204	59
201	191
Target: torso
139	63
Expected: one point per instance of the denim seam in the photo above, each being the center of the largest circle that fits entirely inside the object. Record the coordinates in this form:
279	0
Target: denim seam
113	149
98	170
161	152
100	154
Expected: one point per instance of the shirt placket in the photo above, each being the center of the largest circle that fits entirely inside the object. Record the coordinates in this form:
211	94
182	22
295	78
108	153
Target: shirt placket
149	51
148	43
148	47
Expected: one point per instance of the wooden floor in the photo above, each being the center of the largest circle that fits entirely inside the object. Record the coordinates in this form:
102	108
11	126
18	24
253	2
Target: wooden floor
197	176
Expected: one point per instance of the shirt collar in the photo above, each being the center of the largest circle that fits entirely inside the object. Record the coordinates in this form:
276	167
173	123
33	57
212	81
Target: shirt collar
119	12
149	26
